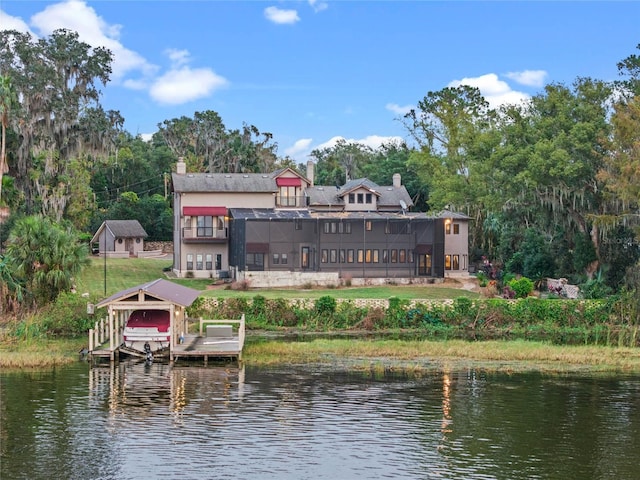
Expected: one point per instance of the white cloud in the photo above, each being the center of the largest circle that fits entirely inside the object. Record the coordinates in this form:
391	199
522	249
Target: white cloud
78	16
397	109
495	91
530	78
177	57
302	148
299	149
13	23
185	84
279	16
318	6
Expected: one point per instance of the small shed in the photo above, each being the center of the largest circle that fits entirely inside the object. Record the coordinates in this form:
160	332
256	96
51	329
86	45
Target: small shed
119	238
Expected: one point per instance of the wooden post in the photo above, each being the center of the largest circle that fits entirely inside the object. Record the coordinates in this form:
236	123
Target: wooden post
172	333
111	339
90	340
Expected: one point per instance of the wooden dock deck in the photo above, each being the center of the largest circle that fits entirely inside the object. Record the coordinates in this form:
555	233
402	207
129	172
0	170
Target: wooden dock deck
216	339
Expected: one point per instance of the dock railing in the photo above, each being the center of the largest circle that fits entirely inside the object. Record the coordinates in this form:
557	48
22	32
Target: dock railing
240	323
100	333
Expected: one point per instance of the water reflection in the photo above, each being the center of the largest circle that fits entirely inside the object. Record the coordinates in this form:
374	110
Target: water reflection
132	421
138	389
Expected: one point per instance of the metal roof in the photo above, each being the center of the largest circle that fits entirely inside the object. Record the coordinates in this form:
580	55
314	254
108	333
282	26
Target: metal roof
159	288
454	215
268	213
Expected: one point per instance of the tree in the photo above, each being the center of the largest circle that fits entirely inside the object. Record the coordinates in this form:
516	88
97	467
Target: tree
44	257
8	101
340	163
456	135
55	79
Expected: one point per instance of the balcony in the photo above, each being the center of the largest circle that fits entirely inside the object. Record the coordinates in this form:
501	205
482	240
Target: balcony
283	201
204	235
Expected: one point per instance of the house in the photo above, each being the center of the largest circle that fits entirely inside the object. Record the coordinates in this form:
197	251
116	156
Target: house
456	243
280	229
119	238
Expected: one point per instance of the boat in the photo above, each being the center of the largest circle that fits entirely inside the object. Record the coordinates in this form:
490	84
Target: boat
147	327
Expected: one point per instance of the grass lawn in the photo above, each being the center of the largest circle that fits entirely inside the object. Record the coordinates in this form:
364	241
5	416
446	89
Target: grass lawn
123	273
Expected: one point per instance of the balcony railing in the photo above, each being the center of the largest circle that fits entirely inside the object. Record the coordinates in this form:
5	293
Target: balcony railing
204	234
300	201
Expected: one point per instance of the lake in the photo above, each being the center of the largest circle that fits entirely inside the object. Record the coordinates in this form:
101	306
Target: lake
139	421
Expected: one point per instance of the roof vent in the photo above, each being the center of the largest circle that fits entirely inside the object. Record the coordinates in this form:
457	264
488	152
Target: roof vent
245	176
227	176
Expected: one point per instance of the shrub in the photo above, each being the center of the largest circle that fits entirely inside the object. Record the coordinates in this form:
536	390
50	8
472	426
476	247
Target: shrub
325	305
521	286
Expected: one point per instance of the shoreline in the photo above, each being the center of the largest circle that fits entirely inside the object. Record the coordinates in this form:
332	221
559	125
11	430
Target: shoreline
361	354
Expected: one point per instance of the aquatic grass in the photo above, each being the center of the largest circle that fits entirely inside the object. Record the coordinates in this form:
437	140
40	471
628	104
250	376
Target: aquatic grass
518	355
39	353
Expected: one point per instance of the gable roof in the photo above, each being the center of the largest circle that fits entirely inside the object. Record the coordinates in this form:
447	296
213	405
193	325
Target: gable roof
159	289
453	215
388	196
121	229
224	182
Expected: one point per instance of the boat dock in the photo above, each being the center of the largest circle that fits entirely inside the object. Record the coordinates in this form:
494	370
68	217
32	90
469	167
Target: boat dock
178	340
216	339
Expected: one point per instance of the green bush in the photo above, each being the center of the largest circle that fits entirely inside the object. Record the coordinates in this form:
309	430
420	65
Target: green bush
521	286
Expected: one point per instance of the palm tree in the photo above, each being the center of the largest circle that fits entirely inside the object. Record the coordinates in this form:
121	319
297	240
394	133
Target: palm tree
8	99
45	257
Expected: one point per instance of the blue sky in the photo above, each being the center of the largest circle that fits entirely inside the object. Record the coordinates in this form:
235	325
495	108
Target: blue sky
311	72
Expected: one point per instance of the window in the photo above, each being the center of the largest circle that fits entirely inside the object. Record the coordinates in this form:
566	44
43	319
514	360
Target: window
344	227
394	256
276	259
288	195
334	227
218	261
352	198
255	261
199	264
284	259
326	227
324	258
447	228
360	198
350	256
368	225
342	256
455	262
402	256
360	255
447	262
403	228
368	198
304	257
368	256
190	261
456	228
208	261
385	256
410	256
376	256
333	255
205	226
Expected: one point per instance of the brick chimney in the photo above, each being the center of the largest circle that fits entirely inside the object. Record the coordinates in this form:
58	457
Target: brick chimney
310	172
181	167
397	182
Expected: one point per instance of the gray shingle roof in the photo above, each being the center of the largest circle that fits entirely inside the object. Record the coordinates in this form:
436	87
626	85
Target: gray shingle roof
126	228
159	288
224	182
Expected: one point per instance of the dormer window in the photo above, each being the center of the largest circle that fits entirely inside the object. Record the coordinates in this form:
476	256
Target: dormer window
361	198
352	198
369	198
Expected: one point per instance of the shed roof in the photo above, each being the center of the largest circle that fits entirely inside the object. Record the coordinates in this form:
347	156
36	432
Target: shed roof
122	229
160	289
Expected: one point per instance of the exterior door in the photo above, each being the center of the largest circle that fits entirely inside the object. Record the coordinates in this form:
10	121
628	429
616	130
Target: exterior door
424	264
